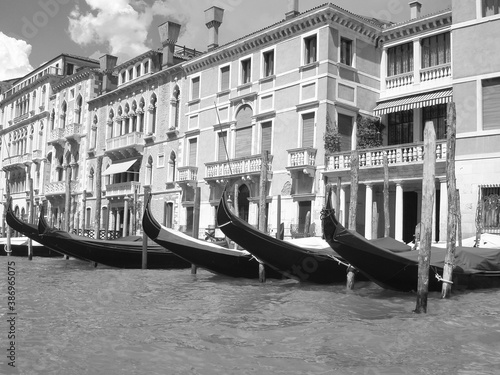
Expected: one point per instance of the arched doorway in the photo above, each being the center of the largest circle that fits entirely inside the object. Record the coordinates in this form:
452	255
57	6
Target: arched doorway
243	203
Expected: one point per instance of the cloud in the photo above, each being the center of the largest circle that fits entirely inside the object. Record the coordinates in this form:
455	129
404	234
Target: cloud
14	57
120	25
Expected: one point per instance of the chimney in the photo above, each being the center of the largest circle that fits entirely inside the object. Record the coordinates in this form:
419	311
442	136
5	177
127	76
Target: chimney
106	64
415	7
169	32
293	9
213	19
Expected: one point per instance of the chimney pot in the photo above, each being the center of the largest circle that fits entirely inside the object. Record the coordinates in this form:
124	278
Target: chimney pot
415	7
106	64
213	19
293	9
169	33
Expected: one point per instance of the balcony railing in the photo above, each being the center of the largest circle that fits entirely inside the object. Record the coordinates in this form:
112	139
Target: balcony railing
131	140
59	188
37	155
396	155
187	174
21	118
73	131
56	135
435	72
303	159
122	188
17	160
399	80
234	167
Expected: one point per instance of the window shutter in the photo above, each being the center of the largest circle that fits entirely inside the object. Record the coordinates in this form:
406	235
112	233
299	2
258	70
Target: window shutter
222	146
267	130
491	104
244	132
224	78
308	130
193	148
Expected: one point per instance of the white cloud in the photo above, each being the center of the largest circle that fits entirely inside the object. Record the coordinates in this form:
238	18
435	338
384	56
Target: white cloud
120	25
14	57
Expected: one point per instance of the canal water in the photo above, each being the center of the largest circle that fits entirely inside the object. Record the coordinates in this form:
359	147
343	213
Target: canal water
72	318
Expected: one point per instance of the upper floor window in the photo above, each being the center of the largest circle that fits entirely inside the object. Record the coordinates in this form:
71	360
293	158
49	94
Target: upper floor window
131	73
490	7
400	129
310	47
137	70
123	77
437	114
246	71
195	88
268	65
224	78
436	50
69	69
146	67
400	59
346	51
491	98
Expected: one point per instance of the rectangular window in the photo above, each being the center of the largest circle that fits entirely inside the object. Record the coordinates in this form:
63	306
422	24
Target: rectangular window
267	131
344	124
131	74
161	160
400	129
123	77
490	207
491	103
268	63
490	7
195	88
400	59
193	150
224	78
310	46
146	67
222	145
138	71
437	114
246	73
436	50
69	69
346	51
308	129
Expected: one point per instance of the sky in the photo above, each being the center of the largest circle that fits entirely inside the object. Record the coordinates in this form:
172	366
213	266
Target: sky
35	31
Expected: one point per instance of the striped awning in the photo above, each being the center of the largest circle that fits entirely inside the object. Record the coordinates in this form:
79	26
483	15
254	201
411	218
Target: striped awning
415	101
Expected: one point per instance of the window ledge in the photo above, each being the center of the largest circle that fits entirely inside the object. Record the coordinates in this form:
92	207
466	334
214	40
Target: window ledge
267	79
244	85
348	67
194	101
224	92
309	66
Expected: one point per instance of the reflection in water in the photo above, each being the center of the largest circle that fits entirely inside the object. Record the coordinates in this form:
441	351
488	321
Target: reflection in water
76	319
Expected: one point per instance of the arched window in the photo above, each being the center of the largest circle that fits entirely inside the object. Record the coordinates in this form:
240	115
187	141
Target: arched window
168	217
78	110
175	105
149	171
88	216
52	119
243	203
126	120
110	123
91	186
244	131
64	108
60	171
119	122
172	167
141	115
42	99
152	112
93	136
133	115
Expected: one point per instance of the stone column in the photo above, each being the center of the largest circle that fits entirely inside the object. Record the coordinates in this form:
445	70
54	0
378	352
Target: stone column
341	214
368	211
125	216
398	222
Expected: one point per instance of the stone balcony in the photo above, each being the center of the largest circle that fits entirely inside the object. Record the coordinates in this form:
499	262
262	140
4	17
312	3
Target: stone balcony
122	189
187	175
125	146
404	161
73	132
245	168
302	160
59	188
17	161
56	136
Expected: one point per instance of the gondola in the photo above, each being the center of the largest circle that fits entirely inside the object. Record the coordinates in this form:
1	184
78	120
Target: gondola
316	265
113	253
475	268
210	256
19	248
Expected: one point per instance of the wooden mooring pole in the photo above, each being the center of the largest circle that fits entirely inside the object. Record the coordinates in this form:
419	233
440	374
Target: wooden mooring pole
31	213
428	192
387	219
196	221
8	247
147	197
353	205
262	206
452	200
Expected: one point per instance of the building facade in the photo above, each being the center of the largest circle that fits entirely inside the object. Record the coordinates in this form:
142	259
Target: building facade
254	114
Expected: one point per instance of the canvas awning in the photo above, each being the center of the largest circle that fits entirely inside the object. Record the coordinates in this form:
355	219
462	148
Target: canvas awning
415	101
120	167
